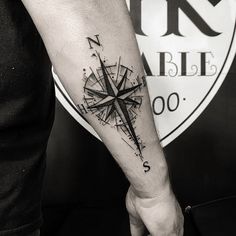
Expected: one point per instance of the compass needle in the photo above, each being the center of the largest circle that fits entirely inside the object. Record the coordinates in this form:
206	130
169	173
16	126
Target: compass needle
116	99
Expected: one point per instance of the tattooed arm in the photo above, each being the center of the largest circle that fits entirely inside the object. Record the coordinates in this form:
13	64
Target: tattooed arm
94	52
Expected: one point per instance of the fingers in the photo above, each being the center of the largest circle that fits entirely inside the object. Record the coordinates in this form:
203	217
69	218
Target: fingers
137	228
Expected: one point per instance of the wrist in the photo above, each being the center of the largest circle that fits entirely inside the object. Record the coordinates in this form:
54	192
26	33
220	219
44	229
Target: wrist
163	193
156	184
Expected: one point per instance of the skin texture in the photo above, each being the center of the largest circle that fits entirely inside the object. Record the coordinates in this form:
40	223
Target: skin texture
68	29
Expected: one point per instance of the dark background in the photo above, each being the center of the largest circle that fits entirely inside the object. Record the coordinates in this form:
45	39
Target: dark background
85	189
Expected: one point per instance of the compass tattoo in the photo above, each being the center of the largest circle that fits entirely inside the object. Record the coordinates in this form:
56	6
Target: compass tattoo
113	93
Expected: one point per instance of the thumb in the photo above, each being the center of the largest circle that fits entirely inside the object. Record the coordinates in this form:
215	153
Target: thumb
137	227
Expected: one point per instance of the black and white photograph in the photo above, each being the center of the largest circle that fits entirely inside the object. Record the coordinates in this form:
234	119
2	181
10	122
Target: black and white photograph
117	117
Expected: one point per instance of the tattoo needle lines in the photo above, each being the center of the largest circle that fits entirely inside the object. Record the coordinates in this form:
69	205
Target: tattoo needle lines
114	96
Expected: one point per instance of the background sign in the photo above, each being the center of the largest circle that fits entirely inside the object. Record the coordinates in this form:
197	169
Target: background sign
187	49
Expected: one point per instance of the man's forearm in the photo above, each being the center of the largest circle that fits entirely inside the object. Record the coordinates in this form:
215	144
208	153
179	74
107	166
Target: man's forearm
94	52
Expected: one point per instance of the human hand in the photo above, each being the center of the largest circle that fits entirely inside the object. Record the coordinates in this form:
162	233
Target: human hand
161	215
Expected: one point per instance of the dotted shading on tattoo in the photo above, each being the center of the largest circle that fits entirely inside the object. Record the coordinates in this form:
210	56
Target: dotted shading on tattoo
113	93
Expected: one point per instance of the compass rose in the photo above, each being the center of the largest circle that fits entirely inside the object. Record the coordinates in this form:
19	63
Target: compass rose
115	97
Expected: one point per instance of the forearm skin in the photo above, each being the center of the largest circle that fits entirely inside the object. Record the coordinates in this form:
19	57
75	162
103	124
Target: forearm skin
83	39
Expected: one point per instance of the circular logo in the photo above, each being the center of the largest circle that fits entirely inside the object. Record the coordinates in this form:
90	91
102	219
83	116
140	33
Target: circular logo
187	48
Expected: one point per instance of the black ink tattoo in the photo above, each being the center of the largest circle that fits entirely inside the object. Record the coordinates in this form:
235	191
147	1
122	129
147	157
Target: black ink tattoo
113	93
146	166
95	41
82	109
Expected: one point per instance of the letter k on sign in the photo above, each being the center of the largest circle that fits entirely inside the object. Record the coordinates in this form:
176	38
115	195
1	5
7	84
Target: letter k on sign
214	2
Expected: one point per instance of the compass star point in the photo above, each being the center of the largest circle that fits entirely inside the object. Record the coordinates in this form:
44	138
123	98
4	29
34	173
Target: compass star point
117	98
